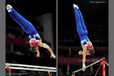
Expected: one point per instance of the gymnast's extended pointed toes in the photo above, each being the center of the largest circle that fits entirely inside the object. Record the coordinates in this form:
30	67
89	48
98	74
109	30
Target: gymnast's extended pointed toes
75	6
8	7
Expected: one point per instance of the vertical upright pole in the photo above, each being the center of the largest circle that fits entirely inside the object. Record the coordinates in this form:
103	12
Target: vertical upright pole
103	66
49	74
10	73
73	74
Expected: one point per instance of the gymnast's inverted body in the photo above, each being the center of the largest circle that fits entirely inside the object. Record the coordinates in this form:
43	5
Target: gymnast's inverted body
87	47
35	39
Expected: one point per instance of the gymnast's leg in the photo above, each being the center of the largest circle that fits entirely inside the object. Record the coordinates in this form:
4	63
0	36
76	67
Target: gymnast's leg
78	22
25	24
82	22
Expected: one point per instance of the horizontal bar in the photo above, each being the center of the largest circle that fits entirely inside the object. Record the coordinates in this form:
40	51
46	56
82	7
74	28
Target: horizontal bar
31	69
90	64
30	66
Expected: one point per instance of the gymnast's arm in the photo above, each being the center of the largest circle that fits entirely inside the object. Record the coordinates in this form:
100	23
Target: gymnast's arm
44	45
38	53
84	57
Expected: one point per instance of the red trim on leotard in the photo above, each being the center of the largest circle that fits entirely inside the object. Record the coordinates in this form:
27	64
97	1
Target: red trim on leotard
33	43
89	46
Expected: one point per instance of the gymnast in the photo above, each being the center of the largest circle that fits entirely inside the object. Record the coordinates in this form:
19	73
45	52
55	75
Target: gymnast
35	39
87	47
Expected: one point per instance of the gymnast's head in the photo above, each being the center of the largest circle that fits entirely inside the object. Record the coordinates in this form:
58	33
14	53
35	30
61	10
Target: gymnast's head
87	51
34	48
91	51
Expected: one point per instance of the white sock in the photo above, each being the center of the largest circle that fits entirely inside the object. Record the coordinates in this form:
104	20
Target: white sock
9	8
75	6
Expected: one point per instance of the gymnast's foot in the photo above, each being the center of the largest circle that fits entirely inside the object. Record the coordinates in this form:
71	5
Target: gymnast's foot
9	8
75	6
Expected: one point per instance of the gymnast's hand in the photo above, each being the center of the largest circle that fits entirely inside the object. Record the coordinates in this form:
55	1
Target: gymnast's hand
38	54
52	55
84	67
